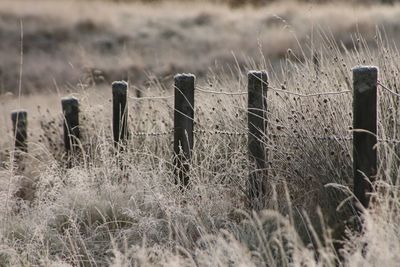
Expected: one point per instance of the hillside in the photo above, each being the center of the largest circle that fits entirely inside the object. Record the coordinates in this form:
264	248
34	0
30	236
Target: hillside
70	44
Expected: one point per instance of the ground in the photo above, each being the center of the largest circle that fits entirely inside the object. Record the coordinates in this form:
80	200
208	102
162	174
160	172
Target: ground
124	209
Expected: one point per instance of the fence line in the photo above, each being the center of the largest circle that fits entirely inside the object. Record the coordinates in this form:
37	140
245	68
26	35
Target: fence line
198	89
141	134
221	132
364	152
274	89
308	95
151	97
270	136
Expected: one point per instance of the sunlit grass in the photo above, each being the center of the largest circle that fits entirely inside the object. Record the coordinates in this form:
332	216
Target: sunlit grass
130	212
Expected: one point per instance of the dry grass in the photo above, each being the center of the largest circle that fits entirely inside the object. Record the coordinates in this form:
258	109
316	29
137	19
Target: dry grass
68	42
102	212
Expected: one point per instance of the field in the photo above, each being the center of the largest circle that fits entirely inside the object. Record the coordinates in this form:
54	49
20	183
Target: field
123	208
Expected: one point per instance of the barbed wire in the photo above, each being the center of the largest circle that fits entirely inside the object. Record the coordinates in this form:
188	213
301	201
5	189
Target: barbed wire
314	137
212	132
270	136
276	90
154	134
308	95
151	97
221	132
333	138
199	89
388	89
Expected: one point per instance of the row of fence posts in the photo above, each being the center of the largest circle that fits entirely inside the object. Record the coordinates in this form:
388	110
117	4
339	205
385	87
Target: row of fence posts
364	125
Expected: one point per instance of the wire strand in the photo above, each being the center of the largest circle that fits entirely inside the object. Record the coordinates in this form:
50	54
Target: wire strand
141	134
388	89
309	95
273	136
220	92
151	97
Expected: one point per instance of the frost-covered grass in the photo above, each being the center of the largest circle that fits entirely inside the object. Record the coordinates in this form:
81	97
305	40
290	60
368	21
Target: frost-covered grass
125	210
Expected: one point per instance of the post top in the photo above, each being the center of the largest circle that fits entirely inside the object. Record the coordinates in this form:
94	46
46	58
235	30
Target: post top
69	98
19	111
20	114
364	69
257	73
185	76
119	85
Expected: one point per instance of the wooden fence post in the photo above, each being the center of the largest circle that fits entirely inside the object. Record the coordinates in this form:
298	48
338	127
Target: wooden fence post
257	107
120	112
183	126
365	80
70	108
20	123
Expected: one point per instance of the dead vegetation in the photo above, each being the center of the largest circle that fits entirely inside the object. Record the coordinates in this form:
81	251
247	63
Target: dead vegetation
55	216
66	43
90	219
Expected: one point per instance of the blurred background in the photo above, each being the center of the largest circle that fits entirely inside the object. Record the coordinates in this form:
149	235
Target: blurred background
64	45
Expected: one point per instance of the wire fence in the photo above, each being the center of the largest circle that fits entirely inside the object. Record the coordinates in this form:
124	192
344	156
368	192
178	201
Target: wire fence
151	97
199	89
239	93
245	131
261	136
308	95
274	89
152	134
271	136
284	91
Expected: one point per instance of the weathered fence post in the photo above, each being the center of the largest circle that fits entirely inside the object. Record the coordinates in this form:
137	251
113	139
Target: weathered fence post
70	108
257	107
20	123
365	80
120	112
183	126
